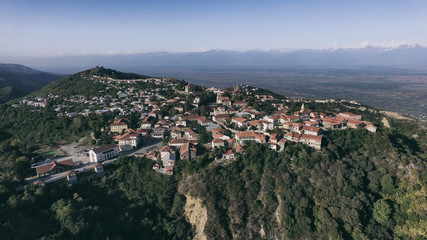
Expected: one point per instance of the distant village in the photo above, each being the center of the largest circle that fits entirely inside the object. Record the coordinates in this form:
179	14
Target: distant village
231	121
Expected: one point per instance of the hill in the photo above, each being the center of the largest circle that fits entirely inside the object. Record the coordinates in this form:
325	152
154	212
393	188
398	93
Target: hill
18	80
81	84
358	185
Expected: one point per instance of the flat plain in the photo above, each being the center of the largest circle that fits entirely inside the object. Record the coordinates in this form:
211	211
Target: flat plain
400	90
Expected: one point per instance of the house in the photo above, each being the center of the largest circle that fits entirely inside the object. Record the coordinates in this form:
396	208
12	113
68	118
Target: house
370	127
243	114
183	132
217	130
230	142
274	137
242	137
187	152
291	118
353	123
39	183
98	168
167	150
178	143
217	143
272	145
221	136
293	126
257	115
181	123
248	109
226	101
158	132
312	123
156	166
219	110
315	131
142	132
147	123
169	159
129	141
71	177
240	122
281	144
238	148
179	108
103	153
228	155
153	155
292	136
54	167
191	117
221	117
312	141
333	122
266	125
204	121
351	115
240	104
118	127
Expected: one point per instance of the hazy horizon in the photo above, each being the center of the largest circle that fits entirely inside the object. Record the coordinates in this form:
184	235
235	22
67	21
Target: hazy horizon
74	28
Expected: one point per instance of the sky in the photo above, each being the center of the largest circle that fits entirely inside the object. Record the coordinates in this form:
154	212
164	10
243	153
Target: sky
61	28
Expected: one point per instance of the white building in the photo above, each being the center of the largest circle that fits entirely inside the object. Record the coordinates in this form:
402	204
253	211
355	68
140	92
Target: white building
129	141
240	122
118	127
103	153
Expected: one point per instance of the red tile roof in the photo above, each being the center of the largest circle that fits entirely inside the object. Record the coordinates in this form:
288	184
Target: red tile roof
104	148
48	167
229	152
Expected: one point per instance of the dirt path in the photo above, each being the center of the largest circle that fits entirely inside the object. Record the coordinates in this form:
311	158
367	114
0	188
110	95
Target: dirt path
395	115
385	122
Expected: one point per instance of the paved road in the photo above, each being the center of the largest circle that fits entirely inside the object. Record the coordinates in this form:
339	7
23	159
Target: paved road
147	148
87	166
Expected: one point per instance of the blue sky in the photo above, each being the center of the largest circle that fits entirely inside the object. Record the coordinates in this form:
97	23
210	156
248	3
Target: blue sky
50	28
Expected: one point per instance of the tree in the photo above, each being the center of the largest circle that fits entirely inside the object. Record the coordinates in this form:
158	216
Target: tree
381	211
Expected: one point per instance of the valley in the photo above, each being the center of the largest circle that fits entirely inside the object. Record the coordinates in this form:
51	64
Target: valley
395	89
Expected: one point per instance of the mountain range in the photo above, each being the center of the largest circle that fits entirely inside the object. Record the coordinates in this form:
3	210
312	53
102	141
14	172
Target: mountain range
414	56
18	80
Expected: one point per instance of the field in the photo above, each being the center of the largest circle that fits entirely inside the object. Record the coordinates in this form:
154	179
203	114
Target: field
394	89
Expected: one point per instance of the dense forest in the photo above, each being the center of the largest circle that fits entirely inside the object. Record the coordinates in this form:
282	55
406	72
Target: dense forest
360	185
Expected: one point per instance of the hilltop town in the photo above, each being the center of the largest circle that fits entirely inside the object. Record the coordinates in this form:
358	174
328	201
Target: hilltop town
244	159
191	120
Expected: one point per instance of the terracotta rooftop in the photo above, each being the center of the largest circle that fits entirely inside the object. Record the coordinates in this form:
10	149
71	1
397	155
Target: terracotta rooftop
104	148
311	137
48	167
229	152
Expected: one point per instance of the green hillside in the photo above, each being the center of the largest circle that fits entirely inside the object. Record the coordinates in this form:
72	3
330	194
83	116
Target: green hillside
80	84
18	80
